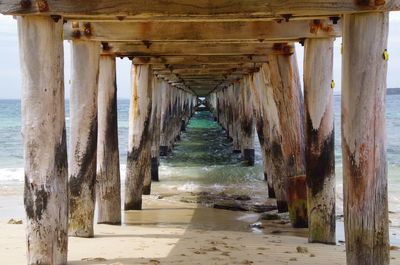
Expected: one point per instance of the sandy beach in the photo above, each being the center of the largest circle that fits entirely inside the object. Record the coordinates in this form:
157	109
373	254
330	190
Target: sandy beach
171	232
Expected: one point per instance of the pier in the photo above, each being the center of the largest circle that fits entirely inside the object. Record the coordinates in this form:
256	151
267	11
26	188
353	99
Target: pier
237	55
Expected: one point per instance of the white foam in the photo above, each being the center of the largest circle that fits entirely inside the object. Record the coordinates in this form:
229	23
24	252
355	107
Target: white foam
13	175
189	187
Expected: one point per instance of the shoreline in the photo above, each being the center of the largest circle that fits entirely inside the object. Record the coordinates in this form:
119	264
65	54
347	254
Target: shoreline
168	232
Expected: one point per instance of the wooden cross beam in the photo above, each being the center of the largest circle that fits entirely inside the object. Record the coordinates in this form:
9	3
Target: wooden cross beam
201	60
147	48
190	10
212	67
207	71
232	31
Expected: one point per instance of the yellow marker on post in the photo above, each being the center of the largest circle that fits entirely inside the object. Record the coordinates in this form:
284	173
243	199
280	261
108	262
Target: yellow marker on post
385	55
333	84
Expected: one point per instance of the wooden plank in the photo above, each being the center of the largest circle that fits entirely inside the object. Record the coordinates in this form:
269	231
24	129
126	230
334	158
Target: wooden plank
44	140
148	48
83	115
108	187
203	60
200	31
320	153
364	140
186	9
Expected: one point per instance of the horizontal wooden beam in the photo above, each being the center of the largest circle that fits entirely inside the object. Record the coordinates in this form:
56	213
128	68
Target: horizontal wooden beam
147	48
200	60
189	9
188	72
202	31
228	66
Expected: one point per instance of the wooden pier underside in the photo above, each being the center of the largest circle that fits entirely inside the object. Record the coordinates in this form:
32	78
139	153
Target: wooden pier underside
216	49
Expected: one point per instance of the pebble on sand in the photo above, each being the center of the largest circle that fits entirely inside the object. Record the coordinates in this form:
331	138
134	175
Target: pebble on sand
13	221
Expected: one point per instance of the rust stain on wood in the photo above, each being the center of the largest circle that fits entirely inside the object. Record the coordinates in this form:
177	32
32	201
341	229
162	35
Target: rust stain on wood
318	25
88	30
42	5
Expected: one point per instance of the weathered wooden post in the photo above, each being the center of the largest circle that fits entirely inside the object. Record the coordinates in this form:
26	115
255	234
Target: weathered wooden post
257	86
363	138
229	114
44	138
246	114
283	110
108	187
156	124
139	147
320	156
287	143
236	105
165	119
83	116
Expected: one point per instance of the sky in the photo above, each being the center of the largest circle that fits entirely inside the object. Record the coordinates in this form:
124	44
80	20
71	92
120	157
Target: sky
10	79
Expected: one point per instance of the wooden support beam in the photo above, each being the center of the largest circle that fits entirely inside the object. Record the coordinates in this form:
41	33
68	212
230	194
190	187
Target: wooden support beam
147	48
287	142
283	118
156	124
236	103
207	71
247	126
363	139
108	187
202	60
83	116
232	66
201	31
165	145
320	153
139	147
258	90
186	10
44	140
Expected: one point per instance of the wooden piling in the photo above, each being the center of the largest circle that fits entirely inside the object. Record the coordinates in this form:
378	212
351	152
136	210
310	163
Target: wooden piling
257	86
364	70
235	107
108	187
320	155
44	139
287	141
165	118
83	116
246	114
156	124
139	146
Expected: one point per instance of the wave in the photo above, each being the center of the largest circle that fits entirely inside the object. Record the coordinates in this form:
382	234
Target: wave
11	175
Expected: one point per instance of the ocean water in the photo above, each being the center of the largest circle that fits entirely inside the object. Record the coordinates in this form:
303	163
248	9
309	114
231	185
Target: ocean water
203	159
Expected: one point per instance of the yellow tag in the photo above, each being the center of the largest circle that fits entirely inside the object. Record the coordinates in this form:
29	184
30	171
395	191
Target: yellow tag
333	84
386	55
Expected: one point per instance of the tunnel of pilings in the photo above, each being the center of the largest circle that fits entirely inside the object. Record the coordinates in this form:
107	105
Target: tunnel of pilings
241	59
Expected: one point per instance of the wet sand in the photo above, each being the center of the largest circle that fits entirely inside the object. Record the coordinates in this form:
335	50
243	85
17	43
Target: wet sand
170	232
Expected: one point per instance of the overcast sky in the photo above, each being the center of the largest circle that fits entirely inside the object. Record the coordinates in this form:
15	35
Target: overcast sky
10	72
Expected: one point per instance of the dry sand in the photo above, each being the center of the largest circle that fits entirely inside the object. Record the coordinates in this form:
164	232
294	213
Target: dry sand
181	233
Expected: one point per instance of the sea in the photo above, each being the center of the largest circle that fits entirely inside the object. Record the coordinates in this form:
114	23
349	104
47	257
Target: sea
201	161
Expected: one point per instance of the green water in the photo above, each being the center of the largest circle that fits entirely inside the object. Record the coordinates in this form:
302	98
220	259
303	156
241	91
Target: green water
204	161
